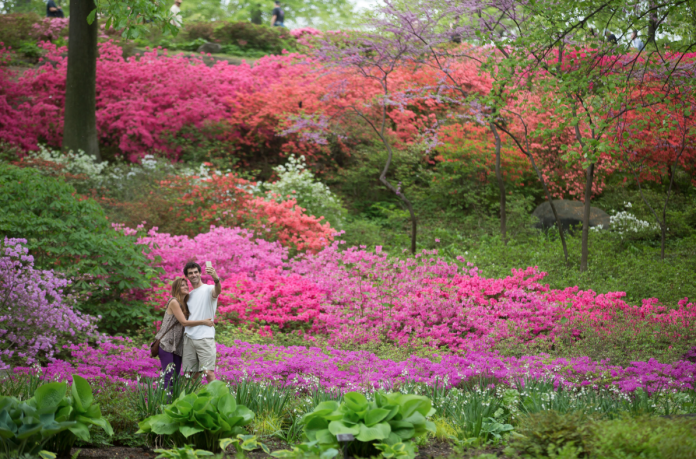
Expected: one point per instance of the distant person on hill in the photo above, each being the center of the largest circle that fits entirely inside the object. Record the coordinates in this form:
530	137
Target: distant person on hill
636	42
177	20
278	18
53	10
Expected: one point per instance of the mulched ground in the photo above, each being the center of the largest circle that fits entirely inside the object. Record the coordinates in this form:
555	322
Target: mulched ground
432	451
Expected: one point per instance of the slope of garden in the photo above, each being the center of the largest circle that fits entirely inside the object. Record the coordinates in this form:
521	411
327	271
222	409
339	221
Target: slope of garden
385	282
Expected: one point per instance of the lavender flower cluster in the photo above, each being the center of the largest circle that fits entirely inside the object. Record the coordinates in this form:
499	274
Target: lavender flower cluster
35	314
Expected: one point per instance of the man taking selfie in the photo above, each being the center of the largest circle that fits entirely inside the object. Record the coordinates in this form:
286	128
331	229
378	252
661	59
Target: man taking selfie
199	341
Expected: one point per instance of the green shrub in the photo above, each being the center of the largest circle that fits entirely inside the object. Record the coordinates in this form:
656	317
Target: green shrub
547	433
251	36
49	419
82	412
117	403
17	28
29	49
69	234
201	419
645	438
388	420
25	427
199	29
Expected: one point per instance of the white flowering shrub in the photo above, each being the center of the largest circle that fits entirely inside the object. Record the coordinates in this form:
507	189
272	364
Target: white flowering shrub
79	163
297	182
625	223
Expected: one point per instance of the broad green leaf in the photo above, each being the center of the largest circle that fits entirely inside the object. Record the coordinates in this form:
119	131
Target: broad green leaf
337	427
227	404
216	388
81	393
80	431
315	425
324	437
27	430
48	396
376	415
403	429
325	408
355	401
417	419
377	432
329	453
187	431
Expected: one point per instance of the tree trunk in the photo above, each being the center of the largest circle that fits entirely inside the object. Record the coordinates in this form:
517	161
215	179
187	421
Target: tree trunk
501	185
398	193
586	217
80	122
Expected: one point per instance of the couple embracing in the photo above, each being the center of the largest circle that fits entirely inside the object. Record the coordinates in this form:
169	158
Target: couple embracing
187	335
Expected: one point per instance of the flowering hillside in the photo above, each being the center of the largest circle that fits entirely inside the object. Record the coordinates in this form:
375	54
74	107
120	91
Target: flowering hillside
356	296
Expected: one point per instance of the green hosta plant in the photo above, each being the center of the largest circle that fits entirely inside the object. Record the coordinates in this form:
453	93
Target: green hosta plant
201	419
397	450
243	443
80	410
307	450
389	419
26	427
182	453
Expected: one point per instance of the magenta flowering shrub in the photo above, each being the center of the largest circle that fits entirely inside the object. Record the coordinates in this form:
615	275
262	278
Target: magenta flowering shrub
50	28
309	368
355	296
231	251
140	102
271	297
36	315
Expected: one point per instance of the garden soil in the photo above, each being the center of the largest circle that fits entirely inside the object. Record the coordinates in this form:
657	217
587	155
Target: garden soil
433	450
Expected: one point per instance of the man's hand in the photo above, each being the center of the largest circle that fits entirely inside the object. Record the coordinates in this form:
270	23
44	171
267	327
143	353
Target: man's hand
211	272
218	287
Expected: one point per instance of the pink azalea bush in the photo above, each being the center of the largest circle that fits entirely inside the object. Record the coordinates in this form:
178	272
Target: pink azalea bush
356	296
304	31
310	368
272	297
37	316
50	28
140	102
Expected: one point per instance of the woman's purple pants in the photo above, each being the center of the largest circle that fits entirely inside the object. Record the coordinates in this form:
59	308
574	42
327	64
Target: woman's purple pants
167	358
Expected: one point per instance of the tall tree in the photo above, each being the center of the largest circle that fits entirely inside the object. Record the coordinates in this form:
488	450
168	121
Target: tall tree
130	16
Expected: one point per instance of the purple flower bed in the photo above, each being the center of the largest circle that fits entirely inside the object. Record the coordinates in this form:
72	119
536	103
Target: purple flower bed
118	361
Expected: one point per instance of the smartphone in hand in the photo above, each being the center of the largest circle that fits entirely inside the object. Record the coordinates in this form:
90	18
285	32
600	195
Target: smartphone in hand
208	264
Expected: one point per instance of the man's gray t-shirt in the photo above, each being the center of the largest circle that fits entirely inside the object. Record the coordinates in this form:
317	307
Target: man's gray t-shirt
202	306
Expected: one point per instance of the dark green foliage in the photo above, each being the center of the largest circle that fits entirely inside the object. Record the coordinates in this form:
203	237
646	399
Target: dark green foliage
117	402
251	36
17	28
545	434
199	29
70	234
550	434
645	438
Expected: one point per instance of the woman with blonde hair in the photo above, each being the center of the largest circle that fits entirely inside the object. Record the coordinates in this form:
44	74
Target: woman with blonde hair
171	333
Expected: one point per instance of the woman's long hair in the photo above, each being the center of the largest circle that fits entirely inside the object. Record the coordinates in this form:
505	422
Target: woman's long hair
180	297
